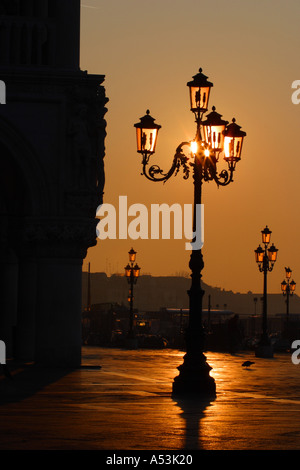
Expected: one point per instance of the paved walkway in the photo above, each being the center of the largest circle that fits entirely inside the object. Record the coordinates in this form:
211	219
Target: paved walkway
127	404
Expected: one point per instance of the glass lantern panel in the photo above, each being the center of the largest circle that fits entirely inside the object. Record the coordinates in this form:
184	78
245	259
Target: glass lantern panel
146	140
266	236
127	271
214	136
283	286
259	257
233	147
199	98
272	254
136	271
259	254
292	286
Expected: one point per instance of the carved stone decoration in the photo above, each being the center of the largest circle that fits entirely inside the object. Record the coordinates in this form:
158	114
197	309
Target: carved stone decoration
83	202
60	238
82	153
86	134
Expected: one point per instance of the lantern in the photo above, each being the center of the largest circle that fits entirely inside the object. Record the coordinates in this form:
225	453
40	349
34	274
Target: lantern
272	253
127	271
292	286
214	128
288	273
233	142
199	92
283	286
266	235
132	254
136	271
146	134
259	254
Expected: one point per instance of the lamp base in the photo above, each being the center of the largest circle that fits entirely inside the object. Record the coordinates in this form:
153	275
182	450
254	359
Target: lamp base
194	378
264	347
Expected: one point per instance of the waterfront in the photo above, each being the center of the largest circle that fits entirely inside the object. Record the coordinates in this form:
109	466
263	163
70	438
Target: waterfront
127	404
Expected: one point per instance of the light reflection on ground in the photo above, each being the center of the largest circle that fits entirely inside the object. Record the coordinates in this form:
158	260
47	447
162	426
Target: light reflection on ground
255	408
127	404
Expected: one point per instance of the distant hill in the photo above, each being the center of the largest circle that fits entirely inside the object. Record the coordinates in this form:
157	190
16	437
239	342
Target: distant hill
153	292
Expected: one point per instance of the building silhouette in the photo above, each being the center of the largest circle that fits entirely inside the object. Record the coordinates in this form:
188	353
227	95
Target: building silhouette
161	306
52	132
154	292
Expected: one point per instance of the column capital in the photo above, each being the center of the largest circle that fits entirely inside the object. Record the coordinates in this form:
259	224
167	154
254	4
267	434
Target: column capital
54	237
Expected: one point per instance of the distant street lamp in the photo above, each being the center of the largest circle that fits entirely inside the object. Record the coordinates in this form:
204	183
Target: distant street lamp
132	272
265	258
202	157
288	287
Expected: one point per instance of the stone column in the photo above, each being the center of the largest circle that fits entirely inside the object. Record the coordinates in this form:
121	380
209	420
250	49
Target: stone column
58	327
60	245
27	297
8	296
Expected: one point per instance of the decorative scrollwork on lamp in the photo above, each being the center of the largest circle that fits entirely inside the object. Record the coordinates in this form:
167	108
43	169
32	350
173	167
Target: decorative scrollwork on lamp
213	137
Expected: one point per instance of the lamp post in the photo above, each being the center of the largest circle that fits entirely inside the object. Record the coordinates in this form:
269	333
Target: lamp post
213	137
288	288
132	272
265	258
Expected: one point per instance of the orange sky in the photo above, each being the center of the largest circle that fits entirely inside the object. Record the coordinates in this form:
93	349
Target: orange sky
148	51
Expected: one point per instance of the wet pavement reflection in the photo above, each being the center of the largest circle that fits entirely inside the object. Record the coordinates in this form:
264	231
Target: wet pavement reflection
127	404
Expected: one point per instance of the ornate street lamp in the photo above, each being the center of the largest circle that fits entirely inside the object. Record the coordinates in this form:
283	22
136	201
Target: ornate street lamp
132	272
213	137
132	255
265	258
146	134
288	288
199	94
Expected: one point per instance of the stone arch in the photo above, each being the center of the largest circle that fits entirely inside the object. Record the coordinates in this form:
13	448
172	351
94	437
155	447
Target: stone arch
18	155
24	195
